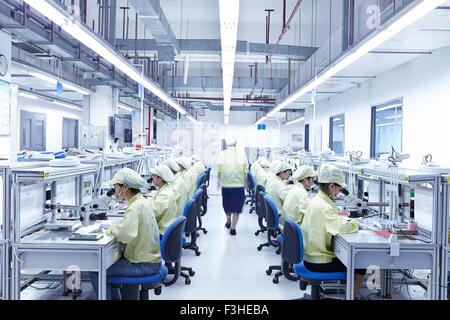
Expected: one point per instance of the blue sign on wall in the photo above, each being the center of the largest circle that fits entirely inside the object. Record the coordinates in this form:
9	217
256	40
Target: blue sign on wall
261	127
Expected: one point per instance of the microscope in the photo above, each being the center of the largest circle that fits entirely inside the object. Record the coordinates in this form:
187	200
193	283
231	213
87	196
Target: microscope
98	209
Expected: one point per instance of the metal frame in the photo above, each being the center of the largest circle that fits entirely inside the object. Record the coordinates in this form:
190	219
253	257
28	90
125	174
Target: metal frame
363	252
30	252
360	253
445	246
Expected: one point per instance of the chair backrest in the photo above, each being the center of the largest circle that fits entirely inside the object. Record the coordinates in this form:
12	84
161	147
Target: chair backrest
190	213
272	218
251	181
201	179
171	243
208	173
260	204
198	197
292	247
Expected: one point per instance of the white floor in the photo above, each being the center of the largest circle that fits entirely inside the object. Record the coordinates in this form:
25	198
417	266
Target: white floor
229	267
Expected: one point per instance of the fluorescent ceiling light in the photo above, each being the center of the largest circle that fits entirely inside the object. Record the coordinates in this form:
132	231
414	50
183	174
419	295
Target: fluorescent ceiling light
28	95
295	121
54	81
86	37
157	119
229	19
191	118
261	120
414	14
67	105
336	119
124	107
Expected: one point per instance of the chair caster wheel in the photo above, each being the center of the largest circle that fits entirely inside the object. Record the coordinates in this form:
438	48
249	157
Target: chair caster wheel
256	233
275	280
187	281
259	248
205	232
158	291
268	272
191	273
197	253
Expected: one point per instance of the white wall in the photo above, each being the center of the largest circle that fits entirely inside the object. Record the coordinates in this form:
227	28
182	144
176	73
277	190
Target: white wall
55	115
103	104
424	86
205	137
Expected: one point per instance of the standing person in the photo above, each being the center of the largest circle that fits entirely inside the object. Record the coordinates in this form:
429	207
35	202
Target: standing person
322	222
297	200
138	230
232	169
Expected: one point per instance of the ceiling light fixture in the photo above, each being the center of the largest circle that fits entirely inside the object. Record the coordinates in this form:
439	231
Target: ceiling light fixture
229	19
295	121
414	14
28	95
54	81
67	105
86	37
124	107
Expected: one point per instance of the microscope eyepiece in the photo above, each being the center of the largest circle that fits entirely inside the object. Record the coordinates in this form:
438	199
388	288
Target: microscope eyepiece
110	192
345	192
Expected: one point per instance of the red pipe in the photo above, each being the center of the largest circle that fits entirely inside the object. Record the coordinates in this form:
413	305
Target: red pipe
266	100
285	28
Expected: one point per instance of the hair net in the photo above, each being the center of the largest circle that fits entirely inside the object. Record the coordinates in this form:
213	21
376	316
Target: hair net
303	172
329	173
172	164
184	162
263	162
195	158
129	177
231	141
281	167
163	172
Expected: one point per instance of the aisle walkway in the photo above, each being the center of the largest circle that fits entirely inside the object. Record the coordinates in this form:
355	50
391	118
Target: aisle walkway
230	267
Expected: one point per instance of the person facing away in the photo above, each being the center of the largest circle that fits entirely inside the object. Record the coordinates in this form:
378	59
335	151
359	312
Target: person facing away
276	186
138	230
232	169
322	222
163	203
297	199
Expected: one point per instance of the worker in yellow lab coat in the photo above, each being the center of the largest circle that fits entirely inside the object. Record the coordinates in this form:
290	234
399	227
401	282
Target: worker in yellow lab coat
179	185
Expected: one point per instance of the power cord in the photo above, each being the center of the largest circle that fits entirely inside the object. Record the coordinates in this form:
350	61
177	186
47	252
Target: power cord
410	238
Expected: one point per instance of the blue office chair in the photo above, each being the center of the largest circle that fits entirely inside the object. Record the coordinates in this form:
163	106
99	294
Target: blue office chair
293	236
191	213
260	209
171	249
201	179
272	220
288	251
170	252
251	184
208	175
205	197
198	197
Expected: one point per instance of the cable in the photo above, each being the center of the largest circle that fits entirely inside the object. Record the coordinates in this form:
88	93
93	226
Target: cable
407	289
410	238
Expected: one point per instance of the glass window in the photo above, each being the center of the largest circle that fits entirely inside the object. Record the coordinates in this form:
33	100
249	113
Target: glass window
70	133
337	134
387	120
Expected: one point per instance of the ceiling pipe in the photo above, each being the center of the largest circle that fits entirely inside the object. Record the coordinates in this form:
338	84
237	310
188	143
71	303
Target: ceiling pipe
262	100
285	28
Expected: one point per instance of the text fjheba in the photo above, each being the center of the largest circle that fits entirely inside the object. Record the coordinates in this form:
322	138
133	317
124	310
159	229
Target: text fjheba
228	309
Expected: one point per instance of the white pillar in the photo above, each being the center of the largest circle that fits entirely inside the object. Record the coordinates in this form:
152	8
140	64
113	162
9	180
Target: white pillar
103	104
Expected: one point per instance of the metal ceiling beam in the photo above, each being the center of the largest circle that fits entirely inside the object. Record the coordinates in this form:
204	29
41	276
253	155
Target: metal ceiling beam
199	83
208	46
152	15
